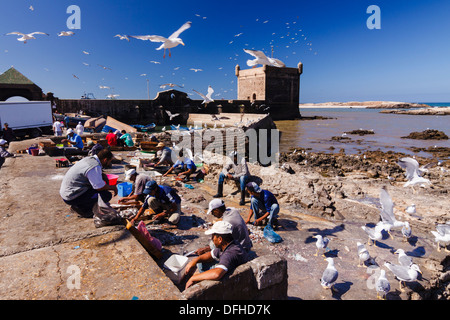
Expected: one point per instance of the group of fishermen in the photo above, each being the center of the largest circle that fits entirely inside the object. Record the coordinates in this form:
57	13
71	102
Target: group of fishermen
85	183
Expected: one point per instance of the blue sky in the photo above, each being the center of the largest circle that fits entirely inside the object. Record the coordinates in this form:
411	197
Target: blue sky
406	60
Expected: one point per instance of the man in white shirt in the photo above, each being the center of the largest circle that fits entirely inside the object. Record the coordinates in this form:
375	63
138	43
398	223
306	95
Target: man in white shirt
57	128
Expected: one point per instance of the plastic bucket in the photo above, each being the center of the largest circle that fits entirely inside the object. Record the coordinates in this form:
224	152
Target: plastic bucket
112	178
34	152
124	189
176	262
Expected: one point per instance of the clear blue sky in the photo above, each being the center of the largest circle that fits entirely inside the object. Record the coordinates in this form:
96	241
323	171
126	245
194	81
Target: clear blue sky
406	60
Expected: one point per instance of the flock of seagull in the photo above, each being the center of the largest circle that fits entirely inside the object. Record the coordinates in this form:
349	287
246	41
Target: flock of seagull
173	40
406	270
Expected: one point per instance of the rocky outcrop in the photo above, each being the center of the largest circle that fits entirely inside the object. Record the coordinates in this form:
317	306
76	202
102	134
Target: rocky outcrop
427	135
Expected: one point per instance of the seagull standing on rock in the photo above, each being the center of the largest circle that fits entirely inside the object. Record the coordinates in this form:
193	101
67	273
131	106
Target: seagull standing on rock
382	285
329	275
321	243
363	254
404	274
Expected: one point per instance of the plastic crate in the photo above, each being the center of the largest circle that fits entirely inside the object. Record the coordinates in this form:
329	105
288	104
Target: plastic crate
124	189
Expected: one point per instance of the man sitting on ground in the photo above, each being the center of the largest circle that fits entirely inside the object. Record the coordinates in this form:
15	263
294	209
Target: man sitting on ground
163	202
111	138
264	205
228	254
240	231
234	170
73	139
85	182
139	182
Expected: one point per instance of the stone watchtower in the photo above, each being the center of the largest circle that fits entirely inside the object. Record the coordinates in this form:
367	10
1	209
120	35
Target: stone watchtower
277	88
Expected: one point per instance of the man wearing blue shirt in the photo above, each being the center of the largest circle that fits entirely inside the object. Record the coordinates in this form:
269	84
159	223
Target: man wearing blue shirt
263	205
186	167
163	201
74	139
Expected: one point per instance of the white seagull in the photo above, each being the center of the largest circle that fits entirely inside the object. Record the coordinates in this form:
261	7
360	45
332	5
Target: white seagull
321	243
363	254
413	173
442	234
122	37
382	285
373	233
25	37
404	274
195	70
387	212
206	99
261	58
329	275
168	43
403	259
172	115
66	33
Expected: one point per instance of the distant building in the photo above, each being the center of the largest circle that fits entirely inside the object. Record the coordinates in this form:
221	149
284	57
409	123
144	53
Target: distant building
277	88
13	83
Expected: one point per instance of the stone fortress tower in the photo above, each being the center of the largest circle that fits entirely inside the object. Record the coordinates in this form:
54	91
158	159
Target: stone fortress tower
277	88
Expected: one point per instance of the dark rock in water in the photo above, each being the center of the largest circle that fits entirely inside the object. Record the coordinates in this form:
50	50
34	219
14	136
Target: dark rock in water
361	132
427	135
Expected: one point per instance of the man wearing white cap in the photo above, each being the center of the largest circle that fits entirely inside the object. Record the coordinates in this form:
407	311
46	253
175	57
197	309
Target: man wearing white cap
139	181
73	139
240	231
228	254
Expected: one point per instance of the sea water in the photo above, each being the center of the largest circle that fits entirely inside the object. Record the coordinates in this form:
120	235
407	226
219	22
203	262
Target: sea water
388	129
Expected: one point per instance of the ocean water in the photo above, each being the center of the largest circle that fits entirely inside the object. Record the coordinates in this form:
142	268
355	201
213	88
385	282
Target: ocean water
388	129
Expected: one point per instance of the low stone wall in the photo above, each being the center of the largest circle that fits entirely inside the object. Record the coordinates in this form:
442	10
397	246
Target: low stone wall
264	278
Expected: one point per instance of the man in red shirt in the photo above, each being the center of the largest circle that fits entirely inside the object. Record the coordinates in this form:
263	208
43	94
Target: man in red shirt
111	138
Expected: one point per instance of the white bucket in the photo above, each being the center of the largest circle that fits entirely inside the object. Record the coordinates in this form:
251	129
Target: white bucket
176	263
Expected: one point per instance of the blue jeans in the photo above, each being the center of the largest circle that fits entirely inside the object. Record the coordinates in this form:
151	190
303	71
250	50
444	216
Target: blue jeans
259	208
242	180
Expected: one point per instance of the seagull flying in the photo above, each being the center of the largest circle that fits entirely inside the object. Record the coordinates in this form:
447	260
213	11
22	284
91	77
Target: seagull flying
196	70
206	99
413	174
106	68
442	234
387	212
66	33
168	43
171	115
25	37
122	37
261	58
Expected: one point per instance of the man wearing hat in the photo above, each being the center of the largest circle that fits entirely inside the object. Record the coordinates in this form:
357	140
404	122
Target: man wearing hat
3	152
163	201
234	170
73	139
139	182
263	205
228	255
240	231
